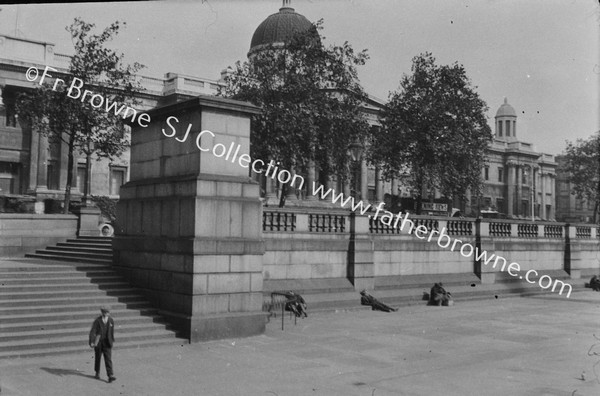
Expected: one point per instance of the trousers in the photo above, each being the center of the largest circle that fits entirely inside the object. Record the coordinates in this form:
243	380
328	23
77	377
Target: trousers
105	351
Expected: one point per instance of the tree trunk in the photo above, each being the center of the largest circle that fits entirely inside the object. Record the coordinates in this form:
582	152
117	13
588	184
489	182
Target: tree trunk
70	161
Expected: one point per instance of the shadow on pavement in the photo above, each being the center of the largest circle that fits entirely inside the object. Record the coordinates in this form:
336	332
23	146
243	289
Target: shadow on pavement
63	372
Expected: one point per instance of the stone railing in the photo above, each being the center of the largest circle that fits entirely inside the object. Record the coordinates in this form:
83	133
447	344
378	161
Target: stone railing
279	221
299	220
338	221
326	223
460	227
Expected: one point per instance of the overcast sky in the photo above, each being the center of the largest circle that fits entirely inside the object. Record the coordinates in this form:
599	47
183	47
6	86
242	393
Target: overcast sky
543	55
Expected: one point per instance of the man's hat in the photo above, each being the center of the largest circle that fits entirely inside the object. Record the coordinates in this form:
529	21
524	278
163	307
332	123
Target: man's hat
105	308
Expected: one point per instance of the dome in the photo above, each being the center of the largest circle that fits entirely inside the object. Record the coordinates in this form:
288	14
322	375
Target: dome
279	27
506	110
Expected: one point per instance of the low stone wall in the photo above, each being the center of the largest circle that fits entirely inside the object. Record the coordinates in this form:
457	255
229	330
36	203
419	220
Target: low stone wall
24	233
314	244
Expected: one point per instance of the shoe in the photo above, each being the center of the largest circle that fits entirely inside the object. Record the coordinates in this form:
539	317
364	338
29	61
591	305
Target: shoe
97	376
111	379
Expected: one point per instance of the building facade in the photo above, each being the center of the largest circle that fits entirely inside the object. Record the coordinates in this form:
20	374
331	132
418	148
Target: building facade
29	163
519	181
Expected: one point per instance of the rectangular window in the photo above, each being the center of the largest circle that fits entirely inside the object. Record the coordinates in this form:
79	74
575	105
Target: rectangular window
117	179
500	205
524	177
578	204
507	128
80	178
499	128
525	208
52	175
11	119
500	174
486	173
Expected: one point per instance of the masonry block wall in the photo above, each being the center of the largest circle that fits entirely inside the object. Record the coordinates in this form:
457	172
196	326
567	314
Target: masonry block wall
190	223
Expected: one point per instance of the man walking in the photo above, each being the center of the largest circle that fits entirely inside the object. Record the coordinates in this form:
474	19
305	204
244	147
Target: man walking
102	338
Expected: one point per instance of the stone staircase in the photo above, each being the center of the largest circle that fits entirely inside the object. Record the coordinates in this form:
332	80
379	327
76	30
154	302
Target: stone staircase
47	307
93	250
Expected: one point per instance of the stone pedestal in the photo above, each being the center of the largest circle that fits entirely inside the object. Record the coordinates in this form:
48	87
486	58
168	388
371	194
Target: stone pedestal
192	235
88	221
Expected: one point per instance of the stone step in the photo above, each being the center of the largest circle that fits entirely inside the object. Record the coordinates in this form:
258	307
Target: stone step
71	294
92	300
78	249
34	318
94	242
67	341
83	323
81	333
59	257
82	255
71	280
48	287
78	347
75	306
88	245
54	274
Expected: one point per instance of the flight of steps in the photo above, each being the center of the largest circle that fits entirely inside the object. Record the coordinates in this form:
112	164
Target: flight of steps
94	250
47	307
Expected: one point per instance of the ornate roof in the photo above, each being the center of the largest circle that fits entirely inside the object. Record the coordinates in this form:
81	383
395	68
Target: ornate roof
506	110
279	27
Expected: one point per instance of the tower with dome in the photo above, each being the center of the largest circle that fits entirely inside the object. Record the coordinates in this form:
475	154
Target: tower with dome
518	179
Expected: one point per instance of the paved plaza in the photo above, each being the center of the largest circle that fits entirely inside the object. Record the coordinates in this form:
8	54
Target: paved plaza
516	346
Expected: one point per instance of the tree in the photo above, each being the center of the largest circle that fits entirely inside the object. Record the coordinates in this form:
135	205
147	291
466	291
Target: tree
434	131
49	109
310	98
582	163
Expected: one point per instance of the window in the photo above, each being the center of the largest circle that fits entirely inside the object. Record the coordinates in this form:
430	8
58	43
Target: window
486	173
525	208
52	175
524	177
591	204
80	178
578	204
117	179
500	205
499	128
11	115
500	174
507	128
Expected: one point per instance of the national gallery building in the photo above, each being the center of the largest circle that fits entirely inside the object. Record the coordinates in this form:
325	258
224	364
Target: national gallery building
519	180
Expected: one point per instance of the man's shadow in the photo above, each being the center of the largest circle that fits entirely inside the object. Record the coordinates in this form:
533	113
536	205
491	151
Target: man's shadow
63	372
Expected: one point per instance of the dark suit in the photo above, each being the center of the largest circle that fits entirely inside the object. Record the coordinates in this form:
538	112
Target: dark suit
103	337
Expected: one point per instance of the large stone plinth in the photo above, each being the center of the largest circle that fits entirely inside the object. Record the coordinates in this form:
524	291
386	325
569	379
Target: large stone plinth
191	234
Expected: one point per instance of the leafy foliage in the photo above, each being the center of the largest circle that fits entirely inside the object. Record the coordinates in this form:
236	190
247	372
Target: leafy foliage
582	162
310	98
434	131
75	122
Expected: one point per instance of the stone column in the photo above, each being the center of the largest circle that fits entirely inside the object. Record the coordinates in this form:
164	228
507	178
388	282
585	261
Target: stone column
39	162
310	179
364	183
189	230
394	186
512	180
290	189
378	185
